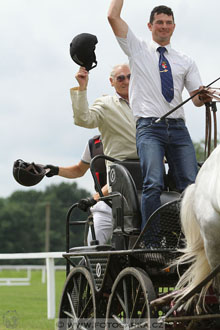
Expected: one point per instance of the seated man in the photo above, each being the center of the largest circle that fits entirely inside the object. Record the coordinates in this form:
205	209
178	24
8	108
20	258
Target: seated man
111	114
101	211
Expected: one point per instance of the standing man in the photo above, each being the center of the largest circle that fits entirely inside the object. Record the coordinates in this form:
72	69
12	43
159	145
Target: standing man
158	76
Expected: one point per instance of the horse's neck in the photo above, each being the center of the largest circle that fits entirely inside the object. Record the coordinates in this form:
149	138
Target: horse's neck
207	206
208	182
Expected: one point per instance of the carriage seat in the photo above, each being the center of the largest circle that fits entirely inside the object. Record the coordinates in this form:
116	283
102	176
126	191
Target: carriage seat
125	177
125	209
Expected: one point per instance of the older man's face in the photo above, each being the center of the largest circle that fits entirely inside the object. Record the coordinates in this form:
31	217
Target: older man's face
120	81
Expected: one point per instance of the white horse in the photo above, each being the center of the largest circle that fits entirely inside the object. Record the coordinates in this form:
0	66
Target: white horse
200	219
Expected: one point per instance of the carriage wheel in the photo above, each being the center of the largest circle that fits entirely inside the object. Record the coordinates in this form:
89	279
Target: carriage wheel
78	307
128	304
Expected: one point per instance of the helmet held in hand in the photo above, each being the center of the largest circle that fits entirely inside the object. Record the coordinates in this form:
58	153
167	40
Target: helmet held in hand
28	174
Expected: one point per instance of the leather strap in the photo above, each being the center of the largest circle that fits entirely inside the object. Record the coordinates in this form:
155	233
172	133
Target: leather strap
214	110
208	128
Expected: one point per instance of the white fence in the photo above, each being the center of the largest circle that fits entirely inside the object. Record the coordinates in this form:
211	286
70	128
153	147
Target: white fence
9	281
24	280
50	270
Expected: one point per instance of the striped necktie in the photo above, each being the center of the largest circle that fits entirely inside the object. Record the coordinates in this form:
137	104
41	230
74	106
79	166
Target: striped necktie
165	75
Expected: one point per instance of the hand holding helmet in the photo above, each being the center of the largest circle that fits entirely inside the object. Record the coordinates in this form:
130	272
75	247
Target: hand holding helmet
53	170
82	78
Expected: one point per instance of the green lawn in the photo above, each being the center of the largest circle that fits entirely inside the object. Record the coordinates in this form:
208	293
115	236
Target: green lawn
25	307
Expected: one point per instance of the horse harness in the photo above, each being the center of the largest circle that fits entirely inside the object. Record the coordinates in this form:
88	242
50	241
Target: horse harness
210	107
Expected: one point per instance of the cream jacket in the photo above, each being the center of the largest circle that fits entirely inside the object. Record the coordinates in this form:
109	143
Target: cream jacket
114	119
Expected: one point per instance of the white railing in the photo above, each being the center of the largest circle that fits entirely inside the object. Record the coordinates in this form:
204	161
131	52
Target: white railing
49	256
25	280
9	281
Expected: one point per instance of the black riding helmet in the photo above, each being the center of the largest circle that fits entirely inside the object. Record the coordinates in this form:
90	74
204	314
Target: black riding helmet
28	174
82	50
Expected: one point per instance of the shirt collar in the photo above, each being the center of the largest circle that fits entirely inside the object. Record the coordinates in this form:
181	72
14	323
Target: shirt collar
155	45
121	98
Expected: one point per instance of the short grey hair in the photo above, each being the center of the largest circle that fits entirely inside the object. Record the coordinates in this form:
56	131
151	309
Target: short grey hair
115	67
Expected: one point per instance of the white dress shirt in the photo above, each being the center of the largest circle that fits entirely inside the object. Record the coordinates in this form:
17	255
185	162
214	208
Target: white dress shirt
145	93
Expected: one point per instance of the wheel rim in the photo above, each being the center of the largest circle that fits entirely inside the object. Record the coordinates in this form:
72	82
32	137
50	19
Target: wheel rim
129	302
77	307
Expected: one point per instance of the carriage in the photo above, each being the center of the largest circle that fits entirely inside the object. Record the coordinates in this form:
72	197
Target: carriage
129	283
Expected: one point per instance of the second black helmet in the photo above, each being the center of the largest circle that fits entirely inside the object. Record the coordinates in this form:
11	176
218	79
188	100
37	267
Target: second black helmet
28	174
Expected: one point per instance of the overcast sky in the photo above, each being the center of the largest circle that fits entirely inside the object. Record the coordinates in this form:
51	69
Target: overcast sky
36	73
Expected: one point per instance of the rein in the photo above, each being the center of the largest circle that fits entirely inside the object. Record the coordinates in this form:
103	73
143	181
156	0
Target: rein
210	107
181	104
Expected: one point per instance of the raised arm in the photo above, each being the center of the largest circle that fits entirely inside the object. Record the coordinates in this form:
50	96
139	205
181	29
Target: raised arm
84	116
119	26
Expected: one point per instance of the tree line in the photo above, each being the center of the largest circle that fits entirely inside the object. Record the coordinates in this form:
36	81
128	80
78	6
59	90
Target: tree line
23	215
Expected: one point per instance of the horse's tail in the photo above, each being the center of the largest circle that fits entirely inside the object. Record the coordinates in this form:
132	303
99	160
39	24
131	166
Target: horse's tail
193	252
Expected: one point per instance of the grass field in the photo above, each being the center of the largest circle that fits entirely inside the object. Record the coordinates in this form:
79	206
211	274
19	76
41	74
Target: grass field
25	307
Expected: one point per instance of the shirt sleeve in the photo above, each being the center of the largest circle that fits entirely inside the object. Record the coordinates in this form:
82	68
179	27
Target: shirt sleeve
131	44
85	116
86	156
192	79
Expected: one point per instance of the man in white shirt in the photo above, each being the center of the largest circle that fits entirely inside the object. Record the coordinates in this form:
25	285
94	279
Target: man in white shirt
151	64
102	213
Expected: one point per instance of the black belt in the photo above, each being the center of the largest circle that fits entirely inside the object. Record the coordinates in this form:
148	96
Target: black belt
166	120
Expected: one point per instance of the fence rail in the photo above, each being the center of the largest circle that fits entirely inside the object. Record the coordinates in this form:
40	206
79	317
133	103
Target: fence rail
50	270
24	280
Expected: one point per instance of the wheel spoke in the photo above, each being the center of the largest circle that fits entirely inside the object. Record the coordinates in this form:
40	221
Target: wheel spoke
69	314
137	294
82	328
121	302
125	291
143	310
80	296
118	320
83	311
71	306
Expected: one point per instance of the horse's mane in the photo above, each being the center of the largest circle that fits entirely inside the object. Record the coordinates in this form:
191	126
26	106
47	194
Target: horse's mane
193	253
